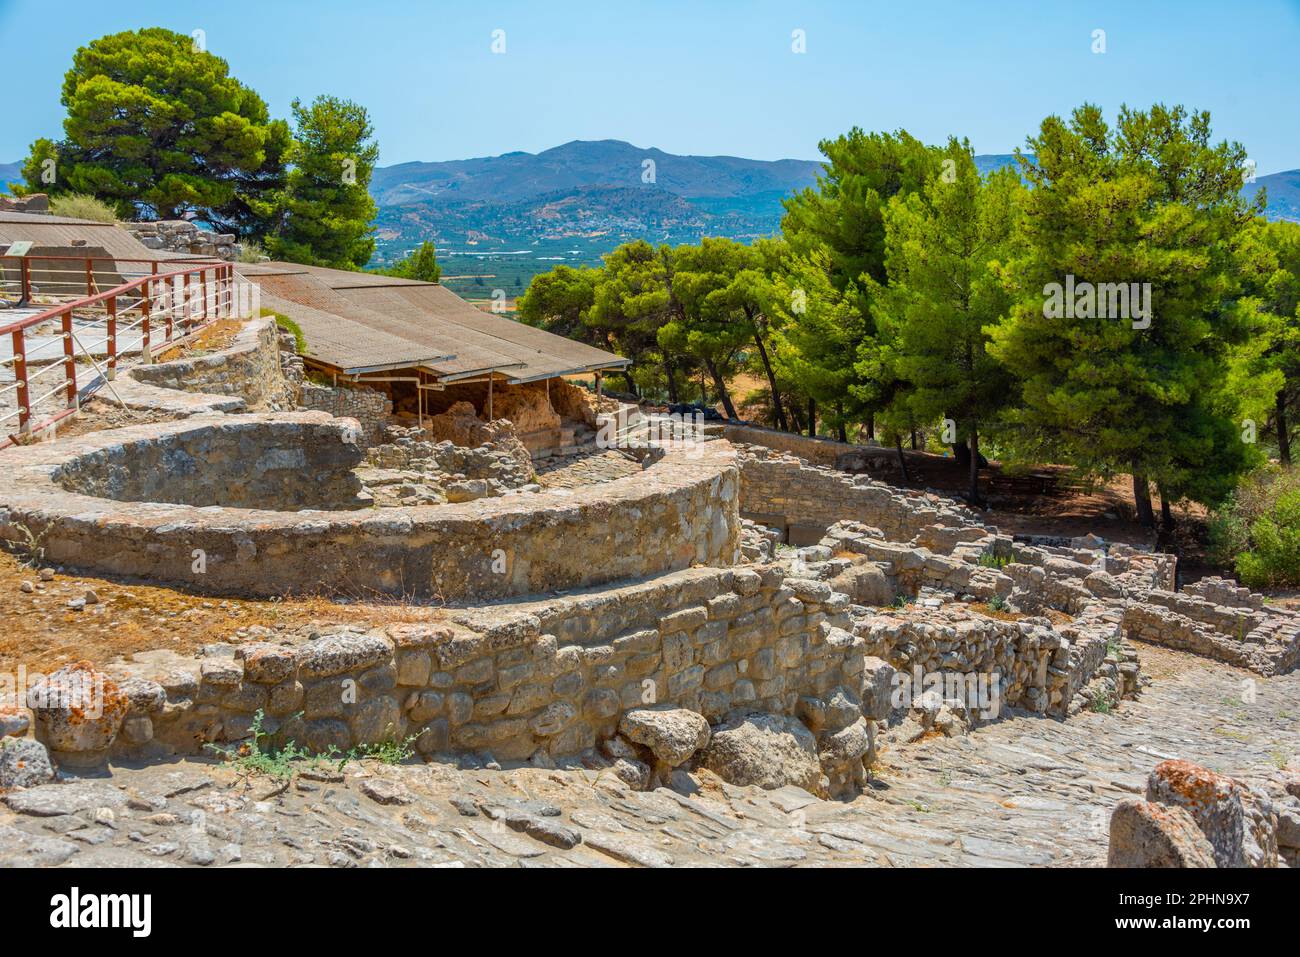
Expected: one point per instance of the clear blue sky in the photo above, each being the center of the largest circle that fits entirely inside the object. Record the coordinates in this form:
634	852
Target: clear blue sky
702	76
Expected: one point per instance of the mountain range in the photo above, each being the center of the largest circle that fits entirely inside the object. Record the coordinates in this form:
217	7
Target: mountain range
575	202
614	190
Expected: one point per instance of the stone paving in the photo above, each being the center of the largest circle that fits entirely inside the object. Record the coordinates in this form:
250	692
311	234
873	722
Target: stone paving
1022	791
589	469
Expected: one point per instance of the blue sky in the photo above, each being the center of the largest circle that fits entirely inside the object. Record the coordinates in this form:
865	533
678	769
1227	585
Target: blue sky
703	76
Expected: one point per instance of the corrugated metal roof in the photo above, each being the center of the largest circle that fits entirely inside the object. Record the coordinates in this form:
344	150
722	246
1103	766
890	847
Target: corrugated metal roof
337	341
427	317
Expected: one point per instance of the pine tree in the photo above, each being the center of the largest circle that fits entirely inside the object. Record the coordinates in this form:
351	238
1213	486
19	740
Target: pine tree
1125	289
326	210
943	297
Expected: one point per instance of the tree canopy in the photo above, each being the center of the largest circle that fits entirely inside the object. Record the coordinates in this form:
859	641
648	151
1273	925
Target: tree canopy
160	129
324	216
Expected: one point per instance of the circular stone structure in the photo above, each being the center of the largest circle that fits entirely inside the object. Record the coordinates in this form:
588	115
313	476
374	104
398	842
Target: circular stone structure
268	505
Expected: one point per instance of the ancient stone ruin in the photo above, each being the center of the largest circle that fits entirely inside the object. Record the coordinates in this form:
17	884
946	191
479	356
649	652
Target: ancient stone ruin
719	605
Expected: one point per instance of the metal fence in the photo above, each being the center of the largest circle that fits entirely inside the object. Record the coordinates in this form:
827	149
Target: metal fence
96	311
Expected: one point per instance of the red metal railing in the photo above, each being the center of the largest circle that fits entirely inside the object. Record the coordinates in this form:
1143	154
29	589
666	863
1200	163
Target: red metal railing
181	300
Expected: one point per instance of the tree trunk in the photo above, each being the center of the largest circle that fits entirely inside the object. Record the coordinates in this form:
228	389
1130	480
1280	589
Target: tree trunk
670	370
1166	512
777	410
975	468
812	418
1283	430
1142	500
961	452
871	425
722	389
914	440
902	461
841	432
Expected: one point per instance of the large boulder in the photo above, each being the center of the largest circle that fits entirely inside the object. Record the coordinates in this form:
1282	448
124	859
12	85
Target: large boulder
836	711
78	713
1261	839
673	735
878	678
1214	801
842	756
766	750
1145	834
844	738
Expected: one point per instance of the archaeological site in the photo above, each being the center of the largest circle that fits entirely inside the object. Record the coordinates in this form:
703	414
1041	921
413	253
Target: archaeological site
657	440
345	571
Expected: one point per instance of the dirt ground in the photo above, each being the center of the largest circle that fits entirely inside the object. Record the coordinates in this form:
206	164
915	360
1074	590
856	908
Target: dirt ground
215	337
102	413
40	629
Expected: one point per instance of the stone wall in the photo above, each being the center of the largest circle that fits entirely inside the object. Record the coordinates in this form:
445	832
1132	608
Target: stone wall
249	369
182	236
371	408
816	451
1134	586
553	676
409	469
1039	666
35	203
783	490
559	677
461	425
681	511
237	463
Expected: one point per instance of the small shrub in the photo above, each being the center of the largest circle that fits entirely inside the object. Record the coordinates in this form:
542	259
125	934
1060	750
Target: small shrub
393	751
1258	530
993	560
83	206
257	758
288	325
1101	703
902	601
29	548
251	251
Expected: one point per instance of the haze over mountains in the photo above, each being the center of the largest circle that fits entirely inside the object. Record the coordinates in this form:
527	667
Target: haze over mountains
498	220
614	189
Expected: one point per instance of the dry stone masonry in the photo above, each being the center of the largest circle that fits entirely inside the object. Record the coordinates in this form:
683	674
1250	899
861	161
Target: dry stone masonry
729	609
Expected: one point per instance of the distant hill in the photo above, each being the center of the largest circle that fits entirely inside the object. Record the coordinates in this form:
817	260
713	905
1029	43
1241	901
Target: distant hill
585	190
1283	189
1283	192
499	220
988	162
585	163
9	173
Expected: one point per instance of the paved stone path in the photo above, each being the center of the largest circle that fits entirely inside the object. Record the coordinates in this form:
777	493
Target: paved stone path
590	469
1023	791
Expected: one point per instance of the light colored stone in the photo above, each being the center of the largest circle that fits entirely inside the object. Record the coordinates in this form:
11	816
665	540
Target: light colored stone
672	734
1145	834
770	751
